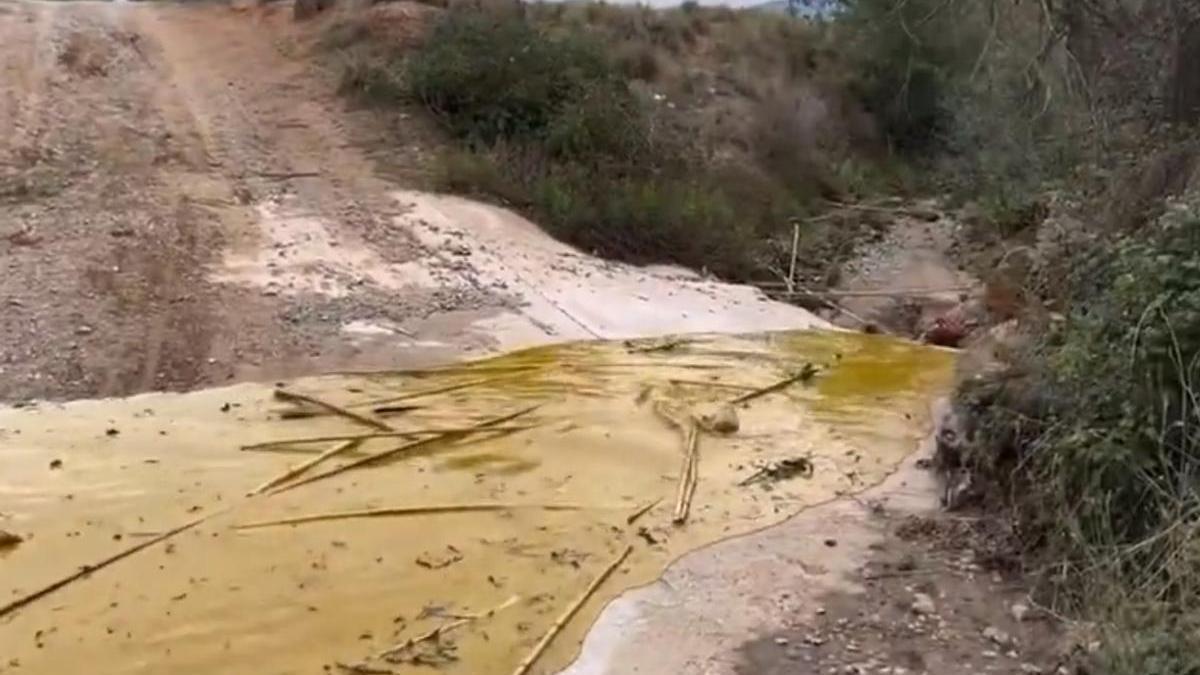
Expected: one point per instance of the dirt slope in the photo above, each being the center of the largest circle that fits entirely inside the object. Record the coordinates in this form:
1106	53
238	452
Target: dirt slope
182	204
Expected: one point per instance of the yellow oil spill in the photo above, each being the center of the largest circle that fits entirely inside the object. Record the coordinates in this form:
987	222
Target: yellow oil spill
489	462
303	598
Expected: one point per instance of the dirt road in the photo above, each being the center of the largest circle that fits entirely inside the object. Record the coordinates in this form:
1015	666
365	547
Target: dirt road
182	203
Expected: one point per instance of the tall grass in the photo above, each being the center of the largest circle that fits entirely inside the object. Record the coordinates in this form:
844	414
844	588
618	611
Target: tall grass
1095	444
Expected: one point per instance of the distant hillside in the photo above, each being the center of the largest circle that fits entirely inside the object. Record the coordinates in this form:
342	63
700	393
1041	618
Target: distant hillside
803	7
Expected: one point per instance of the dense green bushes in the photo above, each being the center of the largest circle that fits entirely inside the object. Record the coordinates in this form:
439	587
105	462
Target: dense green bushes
576	113
549	122
492	77
1095	442
908	60
1115	390
904	92
979	95
694	135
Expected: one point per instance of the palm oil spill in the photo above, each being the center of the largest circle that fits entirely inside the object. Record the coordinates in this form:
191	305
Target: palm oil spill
512	497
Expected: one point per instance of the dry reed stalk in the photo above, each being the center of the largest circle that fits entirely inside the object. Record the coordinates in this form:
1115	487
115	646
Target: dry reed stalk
293	397
401	433
299	469
689	474
87	570
806	373
570	612
437	632
407	511
408	447
641	511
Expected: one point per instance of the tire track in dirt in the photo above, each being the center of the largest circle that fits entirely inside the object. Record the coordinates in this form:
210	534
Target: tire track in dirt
100	263
25	58
166	326
261	116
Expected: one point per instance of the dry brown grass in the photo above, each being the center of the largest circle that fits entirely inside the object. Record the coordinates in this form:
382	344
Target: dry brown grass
745	87
719	41
640	61
746	111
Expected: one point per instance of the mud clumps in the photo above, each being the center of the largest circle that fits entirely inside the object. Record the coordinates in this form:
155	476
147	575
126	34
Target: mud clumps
9	540
722	420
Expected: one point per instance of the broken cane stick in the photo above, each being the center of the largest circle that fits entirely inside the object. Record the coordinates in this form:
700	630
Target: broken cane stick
806	373
688	475
402	433
299	469
445	628
688	471
387	454
408	511
570	612
292	397
642	510
441	390
87	570
345	445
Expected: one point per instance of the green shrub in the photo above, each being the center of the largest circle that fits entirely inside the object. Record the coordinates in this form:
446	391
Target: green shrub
370	78
572	114
598	128
960	78
466	172
639	62
1154	642
1095	442
1116	443
494	76
649	219
908	55
548	122
973	94
672	30
343	34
